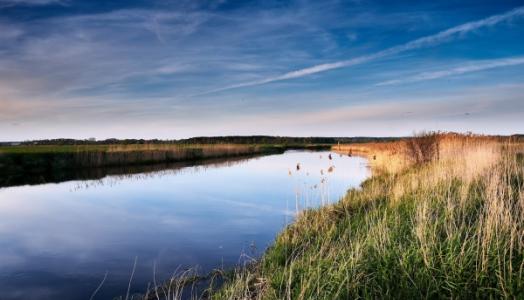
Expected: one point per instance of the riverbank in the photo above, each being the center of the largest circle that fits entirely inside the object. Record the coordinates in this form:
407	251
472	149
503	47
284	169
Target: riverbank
123	172
25	160
442	217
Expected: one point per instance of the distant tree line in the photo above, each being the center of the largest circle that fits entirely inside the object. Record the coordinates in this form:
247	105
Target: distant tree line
255	139
281	140
236	139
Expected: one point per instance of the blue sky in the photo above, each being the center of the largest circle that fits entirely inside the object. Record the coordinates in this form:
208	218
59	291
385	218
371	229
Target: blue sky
173	69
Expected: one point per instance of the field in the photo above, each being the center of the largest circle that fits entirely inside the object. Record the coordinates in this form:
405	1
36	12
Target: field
27	159
441	217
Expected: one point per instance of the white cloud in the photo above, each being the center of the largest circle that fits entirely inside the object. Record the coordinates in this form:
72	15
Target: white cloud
4	3
469	68
490	109
128	72
426	41
8	32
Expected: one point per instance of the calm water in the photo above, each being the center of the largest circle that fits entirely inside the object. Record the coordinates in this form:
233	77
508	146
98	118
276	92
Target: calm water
57	241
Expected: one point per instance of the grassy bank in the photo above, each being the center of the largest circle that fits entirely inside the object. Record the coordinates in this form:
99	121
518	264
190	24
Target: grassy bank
442	217
30	159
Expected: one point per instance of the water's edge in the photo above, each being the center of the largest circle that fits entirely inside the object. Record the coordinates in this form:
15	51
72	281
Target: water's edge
39	168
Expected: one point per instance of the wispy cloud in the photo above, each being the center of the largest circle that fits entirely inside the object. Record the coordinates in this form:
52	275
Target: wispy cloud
128	69
469	68
4	3
422	42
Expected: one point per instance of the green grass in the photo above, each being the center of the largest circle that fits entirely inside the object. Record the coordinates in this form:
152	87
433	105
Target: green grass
52	148
22	149
434	230
18	162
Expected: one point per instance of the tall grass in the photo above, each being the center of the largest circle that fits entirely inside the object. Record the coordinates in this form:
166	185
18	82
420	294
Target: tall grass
40	159
154	153
442	217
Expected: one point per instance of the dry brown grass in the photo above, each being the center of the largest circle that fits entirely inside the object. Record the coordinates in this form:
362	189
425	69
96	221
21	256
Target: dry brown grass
153	153
393	157
442	217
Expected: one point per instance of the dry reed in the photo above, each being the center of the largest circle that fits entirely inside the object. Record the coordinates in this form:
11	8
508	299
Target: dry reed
442	217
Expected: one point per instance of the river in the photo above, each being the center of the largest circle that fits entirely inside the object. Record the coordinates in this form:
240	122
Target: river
59	240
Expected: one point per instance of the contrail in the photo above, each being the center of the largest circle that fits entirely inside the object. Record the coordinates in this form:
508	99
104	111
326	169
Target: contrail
422	42
476	67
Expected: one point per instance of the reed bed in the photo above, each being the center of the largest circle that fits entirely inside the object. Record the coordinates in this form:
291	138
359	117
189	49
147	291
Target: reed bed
442	217
49	158
154	153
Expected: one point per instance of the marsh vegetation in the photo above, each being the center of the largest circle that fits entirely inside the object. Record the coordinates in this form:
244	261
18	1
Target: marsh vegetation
442	217
41	158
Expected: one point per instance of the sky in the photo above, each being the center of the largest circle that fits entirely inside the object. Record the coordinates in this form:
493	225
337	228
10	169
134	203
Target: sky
176	69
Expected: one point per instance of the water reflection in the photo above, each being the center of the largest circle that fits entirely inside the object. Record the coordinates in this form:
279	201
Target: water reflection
139	173
57	241
99	173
